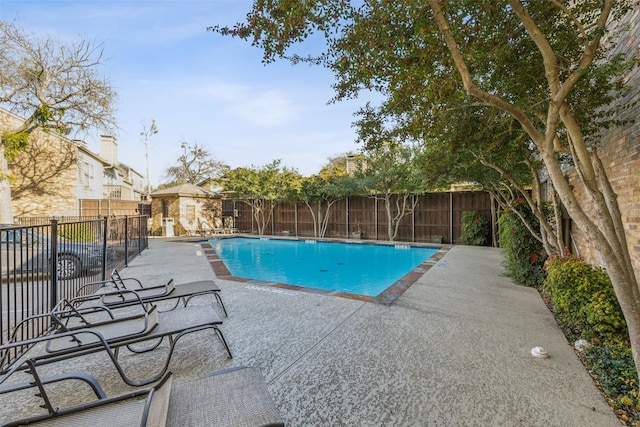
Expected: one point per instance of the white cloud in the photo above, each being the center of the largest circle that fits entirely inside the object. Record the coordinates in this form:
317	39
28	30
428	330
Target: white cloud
269	108
251	105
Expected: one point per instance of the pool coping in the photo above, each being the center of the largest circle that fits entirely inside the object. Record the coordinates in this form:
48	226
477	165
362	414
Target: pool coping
386	297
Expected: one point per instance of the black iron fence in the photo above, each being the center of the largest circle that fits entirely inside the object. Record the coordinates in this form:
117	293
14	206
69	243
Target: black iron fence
44	260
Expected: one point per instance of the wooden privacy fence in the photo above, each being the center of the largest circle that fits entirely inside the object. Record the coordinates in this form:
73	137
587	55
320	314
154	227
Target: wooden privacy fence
108	207
437	215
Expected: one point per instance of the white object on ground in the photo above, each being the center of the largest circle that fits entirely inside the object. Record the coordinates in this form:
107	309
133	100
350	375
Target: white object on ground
581	345
539	352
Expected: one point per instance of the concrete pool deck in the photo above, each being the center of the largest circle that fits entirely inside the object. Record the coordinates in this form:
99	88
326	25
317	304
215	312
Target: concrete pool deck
453	349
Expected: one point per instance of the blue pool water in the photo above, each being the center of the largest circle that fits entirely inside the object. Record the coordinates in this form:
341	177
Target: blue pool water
363	269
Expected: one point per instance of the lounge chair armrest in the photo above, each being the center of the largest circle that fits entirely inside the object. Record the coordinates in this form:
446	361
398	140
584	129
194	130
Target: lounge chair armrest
97	284
77	375
120	281
137	417
96	339
132	279
97	300
16	344
67	309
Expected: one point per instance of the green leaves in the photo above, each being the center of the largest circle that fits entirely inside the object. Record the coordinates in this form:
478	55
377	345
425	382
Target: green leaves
391	169
475	229
276	25
523	253
262	187
14	144
270	182
583	295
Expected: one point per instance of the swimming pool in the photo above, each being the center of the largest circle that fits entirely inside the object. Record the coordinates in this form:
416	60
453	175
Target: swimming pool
362	269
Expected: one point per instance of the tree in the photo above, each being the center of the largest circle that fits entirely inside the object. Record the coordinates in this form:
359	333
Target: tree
543	63
262	188
55	86
194	166
390	173
146	134
488	147
320	192
339	165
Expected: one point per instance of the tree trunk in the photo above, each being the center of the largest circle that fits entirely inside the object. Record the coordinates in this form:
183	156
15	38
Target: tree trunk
611	246
387	206
604	228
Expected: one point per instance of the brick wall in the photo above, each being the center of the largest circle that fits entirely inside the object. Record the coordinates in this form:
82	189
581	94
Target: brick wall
45	178
620	153
186	211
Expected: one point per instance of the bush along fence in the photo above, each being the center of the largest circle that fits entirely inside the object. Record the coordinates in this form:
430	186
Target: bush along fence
46	260
436	218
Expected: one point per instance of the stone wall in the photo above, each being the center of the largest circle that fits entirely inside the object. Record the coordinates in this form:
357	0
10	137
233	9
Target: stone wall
172	207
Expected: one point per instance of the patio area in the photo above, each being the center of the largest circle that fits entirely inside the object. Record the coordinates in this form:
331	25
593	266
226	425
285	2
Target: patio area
454	349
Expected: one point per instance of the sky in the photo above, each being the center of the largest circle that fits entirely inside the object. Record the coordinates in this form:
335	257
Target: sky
199	87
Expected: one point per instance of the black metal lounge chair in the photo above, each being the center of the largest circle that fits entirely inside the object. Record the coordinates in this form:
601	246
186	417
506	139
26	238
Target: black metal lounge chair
79	330
172	324
152	294
235	397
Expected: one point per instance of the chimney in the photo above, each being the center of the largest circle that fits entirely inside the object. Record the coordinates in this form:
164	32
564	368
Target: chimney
109	149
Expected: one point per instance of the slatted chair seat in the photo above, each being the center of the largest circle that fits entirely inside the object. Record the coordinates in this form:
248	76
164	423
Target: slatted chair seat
234	397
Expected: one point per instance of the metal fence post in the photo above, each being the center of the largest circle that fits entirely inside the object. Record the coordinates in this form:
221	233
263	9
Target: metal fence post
140	230
126	241
53	272
105	236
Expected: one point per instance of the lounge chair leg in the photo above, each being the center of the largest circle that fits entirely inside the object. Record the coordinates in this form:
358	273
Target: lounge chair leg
221	304
224	342
146	349
31	370
186	300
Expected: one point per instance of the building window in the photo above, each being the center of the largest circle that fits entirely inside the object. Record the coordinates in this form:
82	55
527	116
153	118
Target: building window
86	174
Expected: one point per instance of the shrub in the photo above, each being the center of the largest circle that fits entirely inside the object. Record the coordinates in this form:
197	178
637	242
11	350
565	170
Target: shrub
475	229
613	367
82	232
582	295
524	255
585	306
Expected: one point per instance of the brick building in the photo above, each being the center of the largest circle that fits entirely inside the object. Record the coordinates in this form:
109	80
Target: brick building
188	207
620	153
54	174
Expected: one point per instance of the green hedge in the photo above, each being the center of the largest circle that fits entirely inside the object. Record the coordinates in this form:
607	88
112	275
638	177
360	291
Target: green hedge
475	229
78	232
586	307
583	296
524	255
